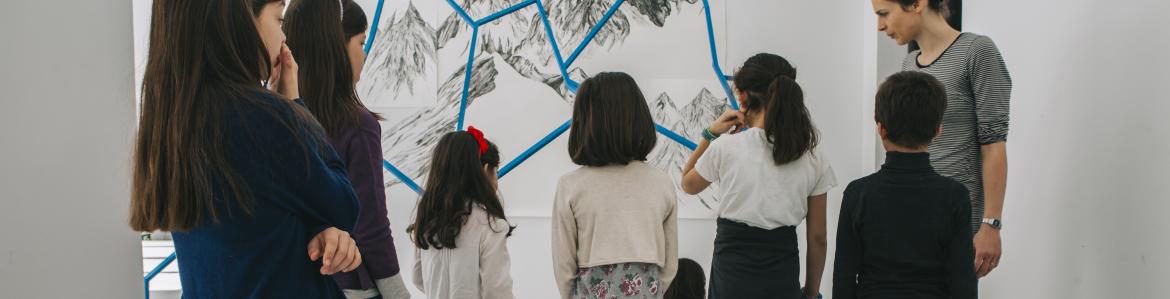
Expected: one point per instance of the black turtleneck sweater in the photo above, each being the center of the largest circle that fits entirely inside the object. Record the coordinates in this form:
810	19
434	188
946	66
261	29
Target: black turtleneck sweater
905	232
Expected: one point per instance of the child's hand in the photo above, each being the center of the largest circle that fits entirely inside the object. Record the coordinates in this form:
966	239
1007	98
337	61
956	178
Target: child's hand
283	79
338	251
729	121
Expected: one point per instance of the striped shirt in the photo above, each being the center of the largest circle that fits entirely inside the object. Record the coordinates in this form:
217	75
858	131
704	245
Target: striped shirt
978	91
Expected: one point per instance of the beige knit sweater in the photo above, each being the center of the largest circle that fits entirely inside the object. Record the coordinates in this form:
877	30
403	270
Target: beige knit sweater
614	214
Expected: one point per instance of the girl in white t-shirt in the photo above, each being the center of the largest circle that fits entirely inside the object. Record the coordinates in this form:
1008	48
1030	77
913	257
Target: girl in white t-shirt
771	177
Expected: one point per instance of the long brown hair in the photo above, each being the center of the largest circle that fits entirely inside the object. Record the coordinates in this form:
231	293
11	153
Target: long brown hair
317	38
455	185
205	57
788	125
769	81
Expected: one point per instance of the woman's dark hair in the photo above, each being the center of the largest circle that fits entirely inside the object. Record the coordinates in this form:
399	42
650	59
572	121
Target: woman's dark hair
769	81
317	38
455	185
910	105
205	57
611	122
936	5
690	282
952	10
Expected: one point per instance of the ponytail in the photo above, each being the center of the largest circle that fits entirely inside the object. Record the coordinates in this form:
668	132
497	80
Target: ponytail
787	124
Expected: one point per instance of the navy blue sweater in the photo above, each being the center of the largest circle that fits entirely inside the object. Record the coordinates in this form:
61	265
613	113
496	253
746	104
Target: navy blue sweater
298	189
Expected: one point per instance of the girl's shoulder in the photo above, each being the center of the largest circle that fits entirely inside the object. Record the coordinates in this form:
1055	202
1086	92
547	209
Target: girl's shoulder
481	220
816	156
648	171
748	135
262	113
573	176
368	121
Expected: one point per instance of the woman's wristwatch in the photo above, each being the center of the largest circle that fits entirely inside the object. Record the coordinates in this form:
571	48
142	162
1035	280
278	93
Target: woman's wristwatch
994	223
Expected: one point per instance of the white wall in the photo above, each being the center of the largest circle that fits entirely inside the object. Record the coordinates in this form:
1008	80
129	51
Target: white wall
889	61
66	121
1086	197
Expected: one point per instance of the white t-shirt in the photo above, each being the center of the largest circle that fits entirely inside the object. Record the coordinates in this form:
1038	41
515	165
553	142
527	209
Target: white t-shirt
754	190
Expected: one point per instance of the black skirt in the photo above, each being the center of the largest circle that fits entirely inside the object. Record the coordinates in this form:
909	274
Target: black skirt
752	262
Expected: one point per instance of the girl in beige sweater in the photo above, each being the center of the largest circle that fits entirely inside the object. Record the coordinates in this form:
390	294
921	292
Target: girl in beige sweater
614	225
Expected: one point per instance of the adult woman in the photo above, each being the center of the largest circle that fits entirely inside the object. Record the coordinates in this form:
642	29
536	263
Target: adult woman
972	147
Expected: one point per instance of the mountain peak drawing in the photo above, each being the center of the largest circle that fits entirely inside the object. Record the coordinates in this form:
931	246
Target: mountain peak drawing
409	51
689	121
409	142
403	53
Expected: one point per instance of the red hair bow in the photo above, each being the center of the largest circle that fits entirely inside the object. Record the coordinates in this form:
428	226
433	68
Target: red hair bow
483	144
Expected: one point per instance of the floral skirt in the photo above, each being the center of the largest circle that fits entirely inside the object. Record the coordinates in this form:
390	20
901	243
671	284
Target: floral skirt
627	280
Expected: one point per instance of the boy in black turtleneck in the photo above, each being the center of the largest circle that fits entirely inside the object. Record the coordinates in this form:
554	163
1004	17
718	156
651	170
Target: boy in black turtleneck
905	232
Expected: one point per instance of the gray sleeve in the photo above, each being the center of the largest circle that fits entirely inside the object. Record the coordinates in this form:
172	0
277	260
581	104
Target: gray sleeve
991	86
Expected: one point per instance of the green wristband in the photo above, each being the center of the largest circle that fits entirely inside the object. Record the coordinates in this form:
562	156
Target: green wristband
708	135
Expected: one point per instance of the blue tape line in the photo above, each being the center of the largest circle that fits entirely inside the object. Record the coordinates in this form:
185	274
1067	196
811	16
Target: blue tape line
462	13
154	272
467	77
504	12
535	147
386	164
675	136
402	177
571	85
593	32
719	75
563	66
374	27
556	48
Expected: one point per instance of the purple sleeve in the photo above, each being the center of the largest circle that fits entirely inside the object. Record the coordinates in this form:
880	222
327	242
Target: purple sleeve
364	156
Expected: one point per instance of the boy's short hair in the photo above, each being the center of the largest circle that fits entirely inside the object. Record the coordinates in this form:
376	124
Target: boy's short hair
910	106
